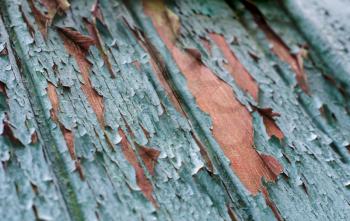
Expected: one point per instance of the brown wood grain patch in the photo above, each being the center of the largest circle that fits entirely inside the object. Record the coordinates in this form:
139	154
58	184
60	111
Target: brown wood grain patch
235	68
245	82
142	181
275	167
95	100
232	123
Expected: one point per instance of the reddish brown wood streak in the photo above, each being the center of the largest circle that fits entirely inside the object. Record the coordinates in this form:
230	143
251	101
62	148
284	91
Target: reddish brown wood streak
69	138
235	68
141	178
158	69
91	27
3	88
137	64
41	20
275	167
52	94
165	84
204	153
269	122
295	61
95	100
272	128
149	157
231	213
78	39
79	168
67	134
96	11
44	20
29	25
34	138
280	48
7	131
271	204
217	99
4	52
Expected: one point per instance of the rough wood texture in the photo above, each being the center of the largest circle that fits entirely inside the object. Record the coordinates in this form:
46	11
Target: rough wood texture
174	110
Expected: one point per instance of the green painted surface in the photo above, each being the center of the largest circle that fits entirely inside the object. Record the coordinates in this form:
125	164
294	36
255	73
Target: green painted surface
39	179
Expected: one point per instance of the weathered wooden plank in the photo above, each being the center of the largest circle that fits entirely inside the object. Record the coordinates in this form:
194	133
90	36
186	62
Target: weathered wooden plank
284	106
29	188
176	110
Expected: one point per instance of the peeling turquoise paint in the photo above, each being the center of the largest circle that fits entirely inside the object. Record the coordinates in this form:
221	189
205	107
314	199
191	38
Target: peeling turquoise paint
39	179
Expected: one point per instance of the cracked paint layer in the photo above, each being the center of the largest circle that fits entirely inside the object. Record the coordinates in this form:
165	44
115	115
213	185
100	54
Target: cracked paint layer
216	98
174	110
